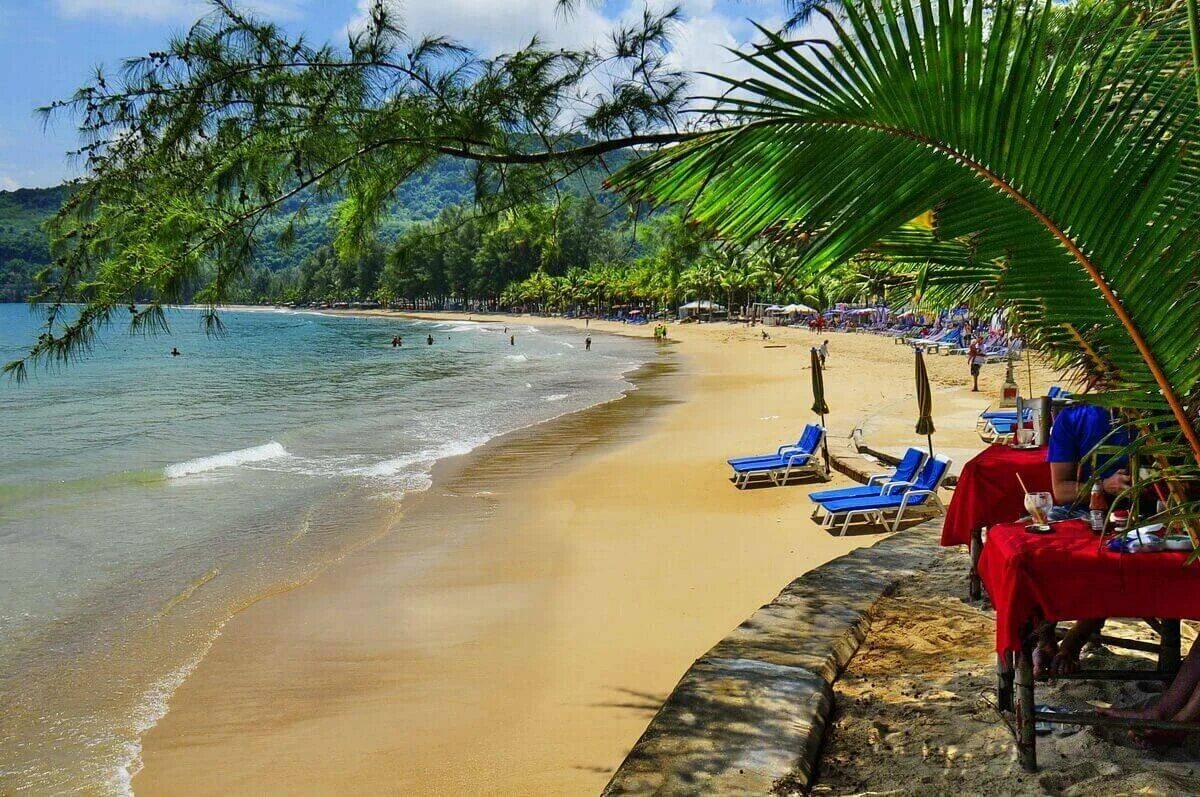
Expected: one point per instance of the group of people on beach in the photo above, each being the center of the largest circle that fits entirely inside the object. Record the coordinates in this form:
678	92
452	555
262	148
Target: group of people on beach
660	332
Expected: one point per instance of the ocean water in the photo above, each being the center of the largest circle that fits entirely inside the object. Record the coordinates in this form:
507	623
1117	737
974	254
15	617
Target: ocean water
145	498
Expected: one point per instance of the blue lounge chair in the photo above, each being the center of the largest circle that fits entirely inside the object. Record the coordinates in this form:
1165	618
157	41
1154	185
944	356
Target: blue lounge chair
879	483
801	444
875	508
803	459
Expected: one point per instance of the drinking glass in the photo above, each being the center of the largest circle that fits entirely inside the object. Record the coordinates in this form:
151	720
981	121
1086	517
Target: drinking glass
1038	505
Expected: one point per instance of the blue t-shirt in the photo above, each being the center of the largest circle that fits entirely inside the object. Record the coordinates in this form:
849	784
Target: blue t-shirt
1077	430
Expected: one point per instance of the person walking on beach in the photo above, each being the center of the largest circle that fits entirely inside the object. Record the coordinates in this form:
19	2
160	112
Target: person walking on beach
976	359
823	351
587	343
429	340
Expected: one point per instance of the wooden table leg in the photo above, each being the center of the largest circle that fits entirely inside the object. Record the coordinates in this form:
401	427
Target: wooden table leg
1168	653
1004	682
974	586
1026	734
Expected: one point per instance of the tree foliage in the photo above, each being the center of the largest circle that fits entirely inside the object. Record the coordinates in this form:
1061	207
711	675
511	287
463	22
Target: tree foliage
191	150
1059	154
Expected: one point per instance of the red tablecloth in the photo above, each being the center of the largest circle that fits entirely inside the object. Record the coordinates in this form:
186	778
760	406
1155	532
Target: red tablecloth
988	491
1065	575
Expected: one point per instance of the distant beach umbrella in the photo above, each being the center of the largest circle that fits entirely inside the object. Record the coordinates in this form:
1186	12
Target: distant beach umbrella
819	406
924	402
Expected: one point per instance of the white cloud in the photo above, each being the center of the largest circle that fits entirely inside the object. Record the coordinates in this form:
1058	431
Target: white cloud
495	26
163	10
8	184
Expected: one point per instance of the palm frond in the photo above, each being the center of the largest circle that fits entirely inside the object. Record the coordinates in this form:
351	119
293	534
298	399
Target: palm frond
1064	156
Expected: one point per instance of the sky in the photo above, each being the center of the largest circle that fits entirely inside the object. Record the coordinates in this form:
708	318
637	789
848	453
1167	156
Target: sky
48	48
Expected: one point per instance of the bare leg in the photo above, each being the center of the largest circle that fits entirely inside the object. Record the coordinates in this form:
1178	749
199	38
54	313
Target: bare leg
1067	658
1046	650
1181	701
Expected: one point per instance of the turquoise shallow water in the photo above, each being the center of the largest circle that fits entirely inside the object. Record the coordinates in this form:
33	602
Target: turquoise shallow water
144	497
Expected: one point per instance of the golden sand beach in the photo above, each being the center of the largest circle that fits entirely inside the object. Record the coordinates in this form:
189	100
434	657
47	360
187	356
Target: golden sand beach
517	629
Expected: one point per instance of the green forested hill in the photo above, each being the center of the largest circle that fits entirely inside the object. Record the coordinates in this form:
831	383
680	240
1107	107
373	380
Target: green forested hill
23	248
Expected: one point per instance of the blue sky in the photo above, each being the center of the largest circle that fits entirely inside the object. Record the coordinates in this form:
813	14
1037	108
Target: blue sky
48	48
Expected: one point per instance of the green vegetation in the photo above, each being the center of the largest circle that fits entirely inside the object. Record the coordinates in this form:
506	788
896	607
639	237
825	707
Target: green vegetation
1057	151
24	249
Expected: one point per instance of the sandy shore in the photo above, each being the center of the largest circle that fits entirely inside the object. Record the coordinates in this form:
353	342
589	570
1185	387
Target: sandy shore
519	627
915	709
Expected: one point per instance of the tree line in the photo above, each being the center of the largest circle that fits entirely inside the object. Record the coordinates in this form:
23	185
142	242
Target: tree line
560	254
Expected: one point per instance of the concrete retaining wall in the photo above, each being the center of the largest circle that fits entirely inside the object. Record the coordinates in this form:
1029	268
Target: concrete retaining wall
749	715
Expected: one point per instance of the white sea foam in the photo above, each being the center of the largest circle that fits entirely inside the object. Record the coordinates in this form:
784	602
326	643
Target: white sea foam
555	397
404	465
242	456
517	358
154	705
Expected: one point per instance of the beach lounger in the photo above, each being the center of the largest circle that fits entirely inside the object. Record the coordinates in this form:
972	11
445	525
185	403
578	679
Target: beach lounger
874	509
879	483
788	448
780	469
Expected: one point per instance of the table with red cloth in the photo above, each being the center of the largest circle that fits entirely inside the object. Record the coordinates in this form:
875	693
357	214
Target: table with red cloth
1067	575
988	491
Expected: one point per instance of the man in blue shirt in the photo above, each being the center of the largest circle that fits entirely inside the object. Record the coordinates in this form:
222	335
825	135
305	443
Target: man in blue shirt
1077	430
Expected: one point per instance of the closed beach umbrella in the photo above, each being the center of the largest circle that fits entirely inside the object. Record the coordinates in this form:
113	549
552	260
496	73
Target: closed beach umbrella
819	406
924	402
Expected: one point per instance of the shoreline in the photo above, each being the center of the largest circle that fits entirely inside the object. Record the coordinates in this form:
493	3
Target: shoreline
530	656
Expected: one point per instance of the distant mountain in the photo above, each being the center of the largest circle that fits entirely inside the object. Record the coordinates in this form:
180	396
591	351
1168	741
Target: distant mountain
24	250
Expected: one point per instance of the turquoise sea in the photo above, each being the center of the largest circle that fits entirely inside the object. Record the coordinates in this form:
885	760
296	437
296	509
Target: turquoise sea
145	498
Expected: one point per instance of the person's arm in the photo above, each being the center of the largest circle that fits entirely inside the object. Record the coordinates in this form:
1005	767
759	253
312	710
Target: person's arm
1064	481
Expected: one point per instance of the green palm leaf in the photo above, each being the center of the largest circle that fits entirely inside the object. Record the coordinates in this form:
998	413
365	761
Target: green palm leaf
1066	166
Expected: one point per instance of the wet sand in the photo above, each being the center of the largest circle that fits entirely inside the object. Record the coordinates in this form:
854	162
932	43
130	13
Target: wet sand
517	629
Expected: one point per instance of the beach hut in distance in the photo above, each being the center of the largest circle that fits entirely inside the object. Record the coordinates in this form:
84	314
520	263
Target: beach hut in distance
700	307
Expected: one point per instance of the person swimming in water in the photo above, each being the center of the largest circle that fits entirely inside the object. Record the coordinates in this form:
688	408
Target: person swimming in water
587	343
512	340
429	340
395	341
175	352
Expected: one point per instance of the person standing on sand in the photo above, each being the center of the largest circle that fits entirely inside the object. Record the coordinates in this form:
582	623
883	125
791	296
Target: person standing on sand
823	351
587	343
976	359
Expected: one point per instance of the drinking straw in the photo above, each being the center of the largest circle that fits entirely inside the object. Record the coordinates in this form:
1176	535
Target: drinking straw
1024	489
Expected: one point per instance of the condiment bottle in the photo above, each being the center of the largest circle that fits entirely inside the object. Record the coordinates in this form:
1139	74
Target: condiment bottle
1098	506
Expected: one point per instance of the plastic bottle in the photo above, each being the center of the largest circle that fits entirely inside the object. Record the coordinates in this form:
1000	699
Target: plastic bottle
1098	507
